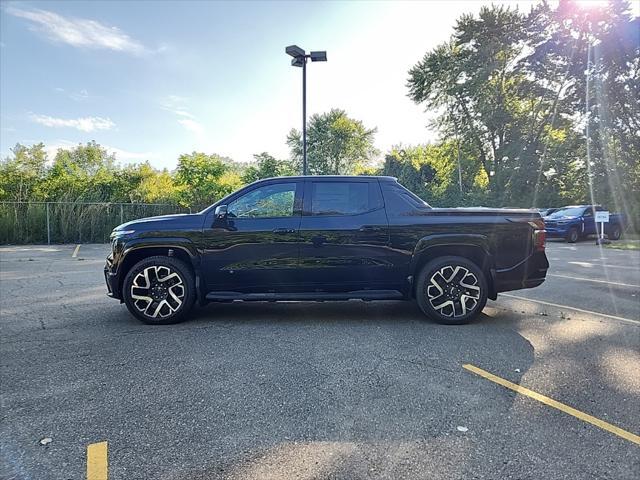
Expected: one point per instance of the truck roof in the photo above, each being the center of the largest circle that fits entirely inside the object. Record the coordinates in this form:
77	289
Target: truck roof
579	206
333	177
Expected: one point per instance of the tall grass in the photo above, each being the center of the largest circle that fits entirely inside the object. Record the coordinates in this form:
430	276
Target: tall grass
71	222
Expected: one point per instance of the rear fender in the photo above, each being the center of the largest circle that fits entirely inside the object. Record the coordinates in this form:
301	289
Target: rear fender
474	247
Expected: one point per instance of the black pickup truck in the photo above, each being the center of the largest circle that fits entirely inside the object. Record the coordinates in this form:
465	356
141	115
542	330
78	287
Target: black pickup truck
325	238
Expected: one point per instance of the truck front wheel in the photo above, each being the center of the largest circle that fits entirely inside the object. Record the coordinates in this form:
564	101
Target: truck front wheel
159	290
451	290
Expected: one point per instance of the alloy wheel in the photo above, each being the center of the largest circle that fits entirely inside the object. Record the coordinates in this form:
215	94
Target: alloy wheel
157	291
453	291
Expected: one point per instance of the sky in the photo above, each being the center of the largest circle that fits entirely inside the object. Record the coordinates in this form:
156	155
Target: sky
150	80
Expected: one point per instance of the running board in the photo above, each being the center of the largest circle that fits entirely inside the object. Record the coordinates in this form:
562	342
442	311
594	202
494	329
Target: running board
305	296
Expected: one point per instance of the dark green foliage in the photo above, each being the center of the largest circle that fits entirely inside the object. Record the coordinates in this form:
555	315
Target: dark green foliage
267	166
336	144
512	86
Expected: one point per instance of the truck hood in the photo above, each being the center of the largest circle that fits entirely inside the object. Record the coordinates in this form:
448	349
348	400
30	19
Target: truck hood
163	222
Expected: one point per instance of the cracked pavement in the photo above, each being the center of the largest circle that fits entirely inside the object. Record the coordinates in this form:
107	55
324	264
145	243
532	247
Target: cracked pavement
344	390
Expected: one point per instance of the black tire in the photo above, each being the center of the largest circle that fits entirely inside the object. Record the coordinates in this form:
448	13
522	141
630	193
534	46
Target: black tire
435	285
615	233
162	291
573	236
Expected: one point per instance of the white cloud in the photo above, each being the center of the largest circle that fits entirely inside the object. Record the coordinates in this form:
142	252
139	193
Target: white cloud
176	104
192	125
84	124
79	32
176	99
183	113
127	156
77	96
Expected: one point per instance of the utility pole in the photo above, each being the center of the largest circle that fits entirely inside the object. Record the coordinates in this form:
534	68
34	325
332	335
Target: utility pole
300	60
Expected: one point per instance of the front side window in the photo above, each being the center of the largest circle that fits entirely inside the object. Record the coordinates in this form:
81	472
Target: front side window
265	202
343	198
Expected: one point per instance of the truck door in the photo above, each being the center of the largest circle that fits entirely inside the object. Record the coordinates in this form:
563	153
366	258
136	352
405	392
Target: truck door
255	248
344	236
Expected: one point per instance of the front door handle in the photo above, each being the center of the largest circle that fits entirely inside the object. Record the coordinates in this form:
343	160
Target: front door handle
283	230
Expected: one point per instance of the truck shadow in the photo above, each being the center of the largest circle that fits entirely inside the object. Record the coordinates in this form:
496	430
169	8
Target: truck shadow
364	390
346	389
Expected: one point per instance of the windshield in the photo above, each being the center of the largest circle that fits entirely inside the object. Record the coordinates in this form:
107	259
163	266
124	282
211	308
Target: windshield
568	212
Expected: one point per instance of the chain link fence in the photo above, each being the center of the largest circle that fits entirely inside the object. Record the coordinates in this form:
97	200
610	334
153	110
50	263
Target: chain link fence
71	222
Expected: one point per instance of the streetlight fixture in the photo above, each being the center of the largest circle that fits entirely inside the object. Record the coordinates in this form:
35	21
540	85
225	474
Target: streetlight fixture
300	60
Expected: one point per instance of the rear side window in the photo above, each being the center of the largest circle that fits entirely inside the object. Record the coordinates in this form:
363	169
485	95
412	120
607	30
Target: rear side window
399	200
344	198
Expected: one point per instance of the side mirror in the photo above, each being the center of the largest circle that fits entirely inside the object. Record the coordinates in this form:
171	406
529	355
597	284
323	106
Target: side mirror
221	212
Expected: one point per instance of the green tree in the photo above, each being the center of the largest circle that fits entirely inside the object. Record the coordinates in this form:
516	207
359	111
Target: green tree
21	177
143	183
198	178
84	173
605	43
336	144
431	171
267	166
487	98
511	86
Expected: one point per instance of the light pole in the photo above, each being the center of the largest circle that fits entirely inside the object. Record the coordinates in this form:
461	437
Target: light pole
300	60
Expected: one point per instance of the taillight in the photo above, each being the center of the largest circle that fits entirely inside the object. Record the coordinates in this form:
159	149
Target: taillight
539	234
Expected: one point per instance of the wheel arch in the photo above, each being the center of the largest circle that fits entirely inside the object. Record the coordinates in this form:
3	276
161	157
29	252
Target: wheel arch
474	248
135	253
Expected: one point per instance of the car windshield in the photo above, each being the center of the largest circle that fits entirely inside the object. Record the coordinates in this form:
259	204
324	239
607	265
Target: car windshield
568	212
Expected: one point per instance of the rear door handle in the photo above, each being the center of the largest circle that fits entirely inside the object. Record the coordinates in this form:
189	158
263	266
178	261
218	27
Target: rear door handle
283	230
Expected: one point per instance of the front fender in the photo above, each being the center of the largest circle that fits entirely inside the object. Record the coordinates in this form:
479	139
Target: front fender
169	243
179	247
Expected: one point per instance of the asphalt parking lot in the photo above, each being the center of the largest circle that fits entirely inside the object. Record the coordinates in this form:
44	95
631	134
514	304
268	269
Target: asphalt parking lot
319	390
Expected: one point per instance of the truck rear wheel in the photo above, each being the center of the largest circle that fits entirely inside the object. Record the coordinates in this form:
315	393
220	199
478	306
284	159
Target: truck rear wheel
451	290
159	290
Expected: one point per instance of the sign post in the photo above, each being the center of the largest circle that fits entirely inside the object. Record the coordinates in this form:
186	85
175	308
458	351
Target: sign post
601	217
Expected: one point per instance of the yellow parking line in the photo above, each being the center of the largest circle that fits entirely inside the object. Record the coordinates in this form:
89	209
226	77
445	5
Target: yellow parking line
97	461
75	252
555	404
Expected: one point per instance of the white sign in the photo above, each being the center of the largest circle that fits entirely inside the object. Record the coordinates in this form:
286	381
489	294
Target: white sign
602	217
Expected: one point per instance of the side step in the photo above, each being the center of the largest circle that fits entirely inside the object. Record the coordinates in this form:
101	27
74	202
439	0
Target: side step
305	296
